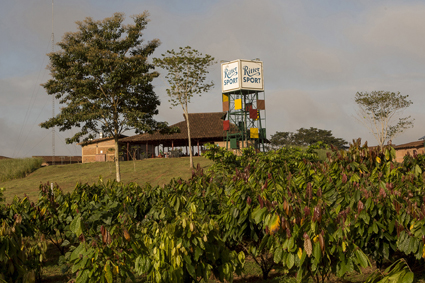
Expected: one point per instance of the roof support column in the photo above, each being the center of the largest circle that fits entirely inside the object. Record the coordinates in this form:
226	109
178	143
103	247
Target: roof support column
128	148
199	154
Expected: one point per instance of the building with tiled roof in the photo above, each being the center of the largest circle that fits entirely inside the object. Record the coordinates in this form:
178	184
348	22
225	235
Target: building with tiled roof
408	148
204	128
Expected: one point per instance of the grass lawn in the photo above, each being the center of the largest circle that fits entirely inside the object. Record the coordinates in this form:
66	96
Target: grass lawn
155	171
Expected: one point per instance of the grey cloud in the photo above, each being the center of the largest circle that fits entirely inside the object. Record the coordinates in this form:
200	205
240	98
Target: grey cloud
315	77
313	62
390	39
17	140
291	109
399	31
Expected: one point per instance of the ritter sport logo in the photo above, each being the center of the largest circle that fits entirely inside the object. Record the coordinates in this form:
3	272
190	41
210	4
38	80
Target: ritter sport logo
229	75
249	73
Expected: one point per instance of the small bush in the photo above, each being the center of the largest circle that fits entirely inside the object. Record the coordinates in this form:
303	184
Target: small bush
18	168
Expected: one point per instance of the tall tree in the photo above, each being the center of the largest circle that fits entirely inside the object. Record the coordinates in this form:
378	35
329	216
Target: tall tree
306	137
380	111
187	70
102	76
313	135
282	139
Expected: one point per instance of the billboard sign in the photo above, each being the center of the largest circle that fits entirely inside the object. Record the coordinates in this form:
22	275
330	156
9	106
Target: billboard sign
230	76
242	75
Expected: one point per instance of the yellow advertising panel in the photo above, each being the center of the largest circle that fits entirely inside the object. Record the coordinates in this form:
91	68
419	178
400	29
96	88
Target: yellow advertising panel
225	97
254	133
238	104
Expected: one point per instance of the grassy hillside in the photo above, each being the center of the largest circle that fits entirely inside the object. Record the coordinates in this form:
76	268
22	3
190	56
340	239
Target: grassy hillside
18	168
153	171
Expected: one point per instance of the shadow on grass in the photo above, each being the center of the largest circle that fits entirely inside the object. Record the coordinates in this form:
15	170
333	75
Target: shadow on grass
51	270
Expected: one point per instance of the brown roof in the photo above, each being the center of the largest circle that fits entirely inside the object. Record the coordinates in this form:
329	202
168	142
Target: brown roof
99	140
202	126
4	157
415	144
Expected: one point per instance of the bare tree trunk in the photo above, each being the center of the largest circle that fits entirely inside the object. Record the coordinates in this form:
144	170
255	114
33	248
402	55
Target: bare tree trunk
190	142
117	160
134	161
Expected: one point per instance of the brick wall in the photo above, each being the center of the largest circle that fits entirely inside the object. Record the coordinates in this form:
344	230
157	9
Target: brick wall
400	153
90	151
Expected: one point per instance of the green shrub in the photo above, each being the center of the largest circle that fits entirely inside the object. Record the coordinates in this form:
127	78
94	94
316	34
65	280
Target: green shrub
283	209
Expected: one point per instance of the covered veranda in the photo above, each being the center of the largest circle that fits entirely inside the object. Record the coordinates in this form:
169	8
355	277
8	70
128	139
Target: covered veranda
204	128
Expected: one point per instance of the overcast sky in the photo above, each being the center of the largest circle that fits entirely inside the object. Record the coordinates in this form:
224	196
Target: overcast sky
316	56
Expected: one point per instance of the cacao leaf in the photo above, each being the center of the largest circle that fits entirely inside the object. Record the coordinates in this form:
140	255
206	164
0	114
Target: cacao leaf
300	253
108	272
198	253
418	170
277	255
317	253
408	278
126	235
286	207
391	226
291	243
375	227
107	239
362	258
290	260
75	226
299	275
274	224
76	253
386	250
307	246
258	214
191	269
264	242
322	244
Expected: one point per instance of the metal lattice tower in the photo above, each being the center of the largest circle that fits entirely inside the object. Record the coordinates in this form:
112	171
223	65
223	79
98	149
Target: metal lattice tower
53	98
247	117
243	99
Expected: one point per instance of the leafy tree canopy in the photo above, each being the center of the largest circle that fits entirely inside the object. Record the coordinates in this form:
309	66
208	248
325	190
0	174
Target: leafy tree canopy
380	111
102	76
186	75
306	137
